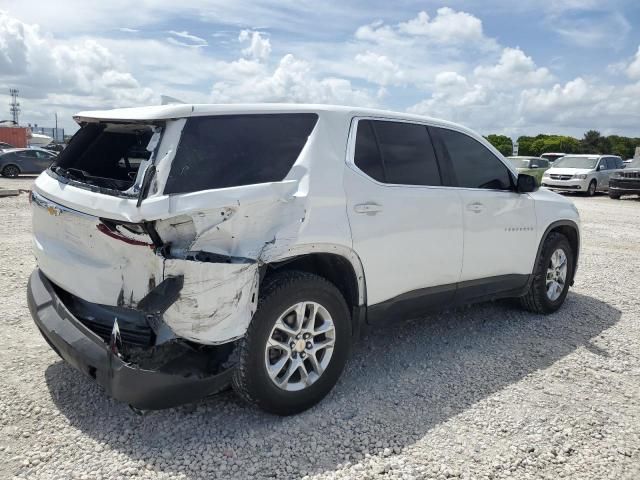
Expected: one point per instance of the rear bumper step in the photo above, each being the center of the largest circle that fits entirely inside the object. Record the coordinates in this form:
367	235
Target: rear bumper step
146	389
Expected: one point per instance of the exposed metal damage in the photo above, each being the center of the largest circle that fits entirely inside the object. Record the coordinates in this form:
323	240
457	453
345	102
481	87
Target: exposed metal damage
152	239
201	282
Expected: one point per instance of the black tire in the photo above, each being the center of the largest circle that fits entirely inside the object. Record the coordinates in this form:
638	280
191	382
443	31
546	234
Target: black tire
591	190
278	293
10	171
614	196
536	299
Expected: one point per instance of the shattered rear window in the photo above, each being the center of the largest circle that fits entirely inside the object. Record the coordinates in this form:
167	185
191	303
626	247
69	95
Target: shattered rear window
234	150
106	155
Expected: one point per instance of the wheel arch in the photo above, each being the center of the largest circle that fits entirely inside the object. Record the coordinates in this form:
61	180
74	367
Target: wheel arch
338	264
571	231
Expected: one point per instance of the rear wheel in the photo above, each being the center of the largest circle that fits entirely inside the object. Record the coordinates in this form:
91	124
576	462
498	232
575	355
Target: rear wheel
296	345
591	190
552	276
10	171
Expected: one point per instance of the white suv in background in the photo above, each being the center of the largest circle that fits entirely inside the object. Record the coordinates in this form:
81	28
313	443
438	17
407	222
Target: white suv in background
582	173
181	248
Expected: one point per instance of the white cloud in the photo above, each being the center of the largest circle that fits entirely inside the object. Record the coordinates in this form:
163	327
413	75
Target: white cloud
380	69
514	67
259	47
633	70
442	62
185	39
292	80
447	27
599	31
46	70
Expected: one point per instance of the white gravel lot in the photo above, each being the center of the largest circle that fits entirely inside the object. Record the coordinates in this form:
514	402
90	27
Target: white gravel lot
484	392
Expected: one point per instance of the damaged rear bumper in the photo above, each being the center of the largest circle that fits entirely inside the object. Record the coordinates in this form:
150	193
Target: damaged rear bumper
80	347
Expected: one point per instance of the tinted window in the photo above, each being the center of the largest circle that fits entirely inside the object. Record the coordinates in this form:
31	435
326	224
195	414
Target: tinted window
367	155
396	152
612	163
234	150
543	163
28	154
407	153
473	164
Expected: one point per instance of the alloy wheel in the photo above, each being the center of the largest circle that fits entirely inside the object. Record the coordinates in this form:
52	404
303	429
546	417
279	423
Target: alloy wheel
300	346
556	274
11	171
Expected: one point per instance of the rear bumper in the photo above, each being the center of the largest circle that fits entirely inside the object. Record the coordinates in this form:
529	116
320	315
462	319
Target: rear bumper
88	353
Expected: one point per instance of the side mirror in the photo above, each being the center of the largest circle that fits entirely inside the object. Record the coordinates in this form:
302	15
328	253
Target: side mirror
535	165
602	167
526	183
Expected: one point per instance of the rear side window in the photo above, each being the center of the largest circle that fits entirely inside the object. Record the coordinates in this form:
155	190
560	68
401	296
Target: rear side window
367	156
235	150
396	153
473	164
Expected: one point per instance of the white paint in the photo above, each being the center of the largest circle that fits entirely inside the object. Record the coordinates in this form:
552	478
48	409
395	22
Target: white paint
421	238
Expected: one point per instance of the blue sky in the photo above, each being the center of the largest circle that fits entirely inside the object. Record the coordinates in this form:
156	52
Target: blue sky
508	67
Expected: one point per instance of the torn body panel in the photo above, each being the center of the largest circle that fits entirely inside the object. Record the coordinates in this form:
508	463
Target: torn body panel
116	253
216	302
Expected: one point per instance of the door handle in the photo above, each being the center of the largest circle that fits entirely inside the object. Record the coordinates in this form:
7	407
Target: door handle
476	207
368	208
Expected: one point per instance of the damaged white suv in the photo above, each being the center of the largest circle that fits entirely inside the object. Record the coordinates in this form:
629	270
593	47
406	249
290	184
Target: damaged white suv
182	248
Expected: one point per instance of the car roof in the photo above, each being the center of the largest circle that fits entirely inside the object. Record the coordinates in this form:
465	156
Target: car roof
591	155
167	112
525	157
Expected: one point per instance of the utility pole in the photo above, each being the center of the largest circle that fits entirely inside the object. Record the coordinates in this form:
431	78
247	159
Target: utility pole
15	105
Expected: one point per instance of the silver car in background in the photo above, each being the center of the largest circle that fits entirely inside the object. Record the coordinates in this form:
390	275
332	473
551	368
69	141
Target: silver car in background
582	173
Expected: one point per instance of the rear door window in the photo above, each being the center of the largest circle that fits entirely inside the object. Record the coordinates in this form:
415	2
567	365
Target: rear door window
234	150
396	153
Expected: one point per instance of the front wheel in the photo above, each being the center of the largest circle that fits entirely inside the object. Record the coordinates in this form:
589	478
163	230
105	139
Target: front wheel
591	190
552	276
296	345
614	196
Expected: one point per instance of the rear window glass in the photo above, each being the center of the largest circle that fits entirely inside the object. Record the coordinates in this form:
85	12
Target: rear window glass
105	155
234	150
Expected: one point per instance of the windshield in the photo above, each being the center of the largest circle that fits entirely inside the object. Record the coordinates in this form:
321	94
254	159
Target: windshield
576	162
552	157
519	162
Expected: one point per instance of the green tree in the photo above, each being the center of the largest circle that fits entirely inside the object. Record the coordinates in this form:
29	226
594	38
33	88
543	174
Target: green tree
502	143
591	141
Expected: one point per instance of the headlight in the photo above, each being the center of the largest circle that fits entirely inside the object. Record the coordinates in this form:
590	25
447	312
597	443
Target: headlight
580	176
545	175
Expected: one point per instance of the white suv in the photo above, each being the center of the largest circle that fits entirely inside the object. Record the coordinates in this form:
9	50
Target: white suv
582	173
181	248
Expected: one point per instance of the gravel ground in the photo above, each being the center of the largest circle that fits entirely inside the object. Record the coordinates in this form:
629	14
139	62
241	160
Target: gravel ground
483	392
